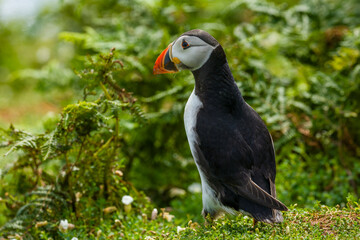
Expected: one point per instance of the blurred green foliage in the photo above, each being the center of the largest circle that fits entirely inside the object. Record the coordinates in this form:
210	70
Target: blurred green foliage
297	63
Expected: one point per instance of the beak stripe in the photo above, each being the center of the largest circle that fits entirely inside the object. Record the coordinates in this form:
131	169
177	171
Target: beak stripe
164	64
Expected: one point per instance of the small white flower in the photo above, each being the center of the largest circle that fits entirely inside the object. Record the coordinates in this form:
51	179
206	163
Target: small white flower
168	216
78	195
195	188
71	226
119	173
109	209
74	238
41	224
175	192
64	225
154	214
127	200
180	229
98	233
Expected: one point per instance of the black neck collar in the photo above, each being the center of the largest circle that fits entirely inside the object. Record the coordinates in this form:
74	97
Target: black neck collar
214	82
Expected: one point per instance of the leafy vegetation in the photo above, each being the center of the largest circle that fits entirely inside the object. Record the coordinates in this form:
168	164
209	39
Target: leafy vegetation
120	131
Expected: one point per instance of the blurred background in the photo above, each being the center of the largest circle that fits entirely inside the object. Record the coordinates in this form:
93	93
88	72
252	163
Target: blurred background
296	62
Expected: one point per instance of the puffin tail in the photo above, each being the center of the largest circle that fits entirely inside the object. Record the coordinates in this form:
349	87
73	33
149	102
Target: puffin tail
278	216
275	217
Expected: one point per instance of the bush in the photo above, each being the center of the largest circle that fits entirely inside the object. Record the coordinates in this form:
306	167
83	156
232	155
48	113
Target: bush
75	171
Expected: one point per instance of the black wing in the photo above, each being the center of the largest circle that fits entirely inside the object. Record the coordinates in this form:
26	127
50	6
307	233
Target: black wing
229	156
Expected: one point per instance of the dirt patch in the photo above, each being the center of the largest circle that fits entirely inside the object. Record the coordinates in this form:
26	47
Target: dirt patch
14	114
330	221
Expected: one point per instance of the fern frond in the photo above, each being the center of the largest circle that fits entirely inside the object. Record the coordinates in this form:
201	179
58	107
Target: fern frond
286	138
27	142
162	94
15	224
50	193
138	114
25	210
49	146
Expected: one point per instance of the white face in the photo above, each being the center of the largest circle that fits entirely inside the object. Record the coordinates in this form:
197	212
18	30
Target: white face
191	51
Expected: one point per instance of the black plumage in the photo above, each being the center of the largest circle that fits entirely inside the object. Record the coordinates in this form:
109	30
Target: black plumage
233	140
233	148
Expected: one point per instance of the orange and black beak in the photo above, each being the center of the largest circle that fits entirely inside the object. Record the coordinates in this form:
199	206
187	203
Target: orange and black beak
164	64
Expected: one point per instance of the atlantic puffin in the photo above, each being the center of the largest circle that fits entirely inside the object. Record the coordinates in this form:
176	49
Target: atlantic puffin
231	146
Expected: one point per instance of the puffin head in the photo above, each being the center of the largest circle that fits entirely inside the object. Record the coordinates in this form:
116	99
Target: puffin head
189	51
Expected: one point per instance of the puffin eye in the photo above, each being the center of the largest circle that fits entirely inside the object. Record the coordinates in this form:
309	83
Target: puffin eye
185	44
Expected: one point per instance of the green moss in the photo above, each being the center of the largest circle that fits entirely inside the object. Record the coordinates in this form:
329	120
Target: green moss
319	223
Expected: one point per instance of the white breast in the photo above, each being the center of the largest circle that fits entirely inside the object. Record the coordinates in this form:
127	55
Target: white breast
192	108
